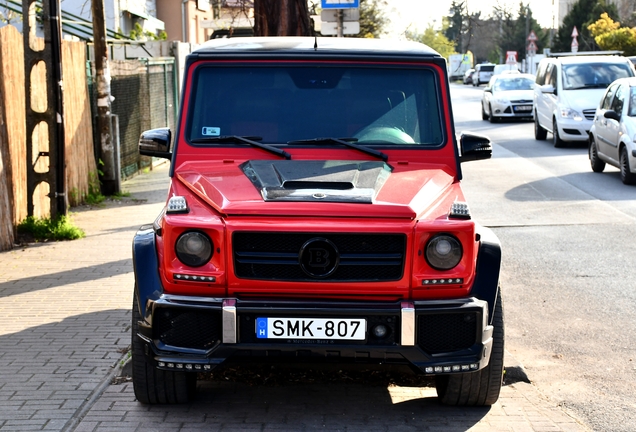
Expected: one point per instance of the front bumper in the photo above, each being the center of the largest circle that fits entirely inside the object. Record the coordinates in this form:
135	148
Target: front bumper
512	110
574	130
436	337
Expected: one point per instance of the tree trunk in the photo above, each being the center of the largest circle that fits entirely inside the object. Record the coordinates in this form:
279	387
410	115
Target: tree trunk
281	18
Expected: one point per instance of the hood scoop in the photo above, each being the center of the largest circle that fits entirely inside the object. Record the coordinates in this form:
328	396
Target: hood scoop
308	181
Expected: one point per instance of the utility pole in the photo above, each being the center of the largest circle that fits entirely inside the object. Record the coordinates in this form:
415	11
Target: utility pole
110	178
340	23
53	116
527	33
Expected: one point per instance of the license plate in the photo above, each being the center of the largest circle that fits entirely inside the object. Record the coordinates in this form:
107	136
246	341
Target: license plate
311	328
523	108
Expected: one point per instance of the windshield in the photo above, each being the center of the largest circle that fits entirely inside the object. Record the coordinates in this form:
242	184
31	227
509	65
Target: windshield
593	75
516	83
375	105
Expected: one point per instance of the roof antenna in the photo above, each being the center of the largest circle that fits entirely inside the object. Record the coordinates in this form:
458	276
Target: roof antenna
315	42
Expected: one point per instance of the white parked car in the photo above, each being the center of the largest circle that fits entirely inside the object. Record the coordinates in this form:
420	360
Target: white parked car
508	96
613	133
483	73
568	91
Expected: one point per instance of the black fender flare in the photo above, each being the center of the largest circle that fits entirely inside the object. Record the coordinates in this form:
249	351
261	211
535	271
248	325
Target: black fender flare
146	268
486	285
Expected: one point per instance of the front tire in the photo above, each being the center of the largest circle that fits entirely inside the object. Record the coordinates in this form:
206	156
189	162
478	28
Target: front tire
597	164
151	385
626	175
484	116
539	132
479	388
556	139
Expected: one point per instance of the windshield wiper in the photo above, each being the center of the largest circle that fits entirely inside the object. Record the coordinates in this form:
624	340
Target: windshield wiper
251	140
590	86
348	142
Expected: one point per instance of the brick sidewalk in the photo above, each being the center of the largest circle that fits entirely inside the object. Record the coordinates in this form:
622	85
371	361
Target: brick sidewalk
65	329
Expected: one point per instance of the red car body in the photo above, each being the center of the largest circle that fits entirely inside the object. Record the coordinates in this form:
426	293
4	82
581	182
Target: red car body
366	236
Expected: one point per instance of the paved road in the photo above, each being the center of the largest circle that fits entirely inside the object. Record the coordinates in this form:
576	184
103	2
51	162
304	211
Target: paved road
569	259
65	332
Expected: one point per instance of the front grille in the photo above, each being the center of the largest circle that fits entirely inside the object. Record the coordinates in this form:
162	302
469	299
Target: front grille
187	328
277	256
589	113
447	332
571	131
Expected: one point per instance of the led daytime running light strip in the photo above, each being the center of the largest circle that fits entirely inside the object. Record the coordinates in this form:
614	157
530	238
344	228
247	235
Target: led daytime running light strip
186	366
447	281
194	278
450	369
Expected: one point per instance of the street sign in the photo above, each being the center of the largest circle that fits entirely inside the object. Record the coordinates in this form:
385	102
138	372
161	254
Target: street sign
532	36
575	43
575	33
331	15
348	27
532	47
340	4
511	57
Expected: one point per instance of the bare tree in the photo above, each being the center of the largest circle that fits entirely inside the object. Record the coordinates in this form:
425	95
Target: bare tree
281	18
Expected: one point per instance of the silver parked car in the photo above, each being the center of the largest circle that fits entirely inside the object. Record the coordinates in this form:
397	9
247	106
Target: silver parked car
508	96
613	133
567	92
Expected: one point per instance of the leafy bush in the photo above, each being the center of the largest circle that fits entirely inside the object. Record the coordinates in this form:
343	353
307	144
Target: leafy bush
42	229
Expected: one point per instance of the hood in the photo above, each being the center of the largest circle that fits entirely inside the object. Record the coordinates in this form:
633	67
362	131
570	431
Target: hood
317	188
311	181
582	99
515	95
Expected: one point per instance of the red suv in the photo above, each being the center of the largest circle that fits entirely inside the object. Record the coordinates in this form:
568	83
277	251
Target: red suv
315	213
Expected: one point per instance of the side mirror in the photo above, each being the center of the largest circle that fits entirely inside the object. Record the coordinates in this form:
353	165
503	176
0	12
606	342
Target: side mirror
488	89
156	142
474	147
548	88
611	114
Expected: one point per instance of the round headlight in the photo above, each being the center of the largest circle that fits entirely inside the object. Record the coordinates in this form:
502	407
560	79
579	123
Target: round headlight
443	252
194	248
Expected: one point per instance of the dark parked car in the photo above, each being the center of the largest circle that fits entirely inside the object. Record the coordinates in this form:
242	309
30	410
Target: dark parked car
468	76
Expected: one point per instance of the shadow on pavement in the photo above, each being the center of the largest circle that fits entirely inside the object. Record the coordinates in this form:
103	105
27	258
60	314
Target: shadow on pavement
47	372
76	275
295	399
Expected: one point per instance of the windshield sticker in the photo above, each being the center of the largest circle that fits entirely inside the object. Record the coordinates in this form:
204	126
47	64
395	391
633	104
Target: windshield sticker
211	131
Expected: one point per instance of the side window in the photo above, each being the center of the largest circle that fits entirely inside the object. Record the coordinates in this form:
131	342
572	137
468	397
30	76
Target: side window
632	102
552	76
619	100
607	99
541	74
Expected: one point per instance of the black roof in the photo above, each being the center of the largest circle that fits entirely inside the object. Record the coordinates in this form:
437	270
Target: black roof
317	47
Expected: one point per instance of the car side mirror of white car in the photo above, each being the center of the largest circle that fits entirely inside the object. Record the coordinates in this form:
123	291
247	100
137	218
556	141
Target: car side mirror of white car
548	88
611	114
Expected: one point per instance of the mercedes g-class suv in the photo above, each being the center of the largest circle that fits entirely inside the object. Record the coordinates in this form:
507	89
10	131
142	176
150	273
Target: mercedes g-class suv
315	214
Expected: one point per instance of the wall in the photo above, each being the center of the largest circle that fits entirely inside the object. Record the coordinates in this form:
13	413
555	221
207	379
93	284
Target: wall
80	161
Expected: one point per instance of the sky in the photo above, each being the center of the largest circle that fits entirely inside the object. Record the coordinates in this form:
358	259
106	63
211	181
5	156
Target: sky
418	14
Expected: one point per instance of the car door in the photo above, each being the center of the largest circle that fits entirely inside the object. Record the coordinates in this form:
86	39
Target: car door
546	101
613	127
487	96
600	122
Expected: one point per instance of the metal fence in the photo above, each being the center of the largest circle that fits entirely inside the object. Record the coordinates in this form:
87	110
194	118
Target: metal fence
145	97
